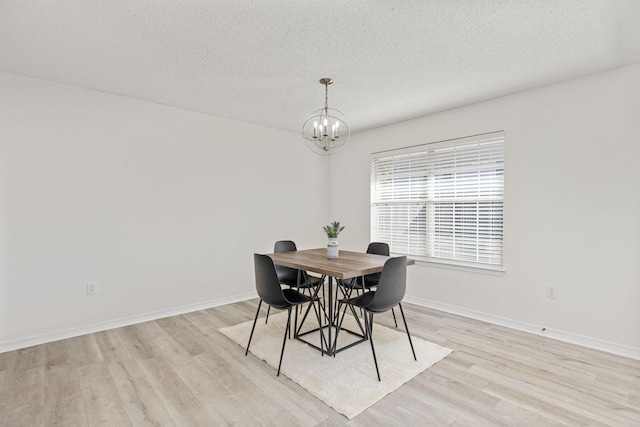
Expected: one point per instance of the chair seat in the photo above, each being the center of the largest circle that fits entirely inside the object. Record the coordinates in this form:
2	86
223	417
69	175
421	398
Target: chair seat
294	297
356	283
361	301
312	282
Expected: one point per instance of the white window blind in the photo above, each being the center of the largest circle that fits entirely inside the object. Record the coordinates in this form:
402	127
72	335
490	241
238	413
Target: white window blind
442	201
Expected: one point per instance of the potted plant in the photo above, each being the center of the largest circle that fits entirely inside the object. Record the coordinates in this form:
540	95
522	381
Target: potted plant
332	231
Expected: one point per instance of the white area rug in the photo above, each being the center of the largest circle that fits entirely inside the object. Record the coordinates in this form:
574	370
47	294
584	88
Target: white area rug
348	382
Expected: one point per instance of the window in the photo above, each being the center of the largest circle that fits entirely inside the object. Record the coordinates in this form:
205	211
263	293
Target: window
443	201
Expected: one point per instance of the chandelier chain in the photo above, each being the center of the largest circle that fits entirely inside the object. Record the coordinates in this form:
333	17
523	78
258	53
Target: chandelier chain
326	96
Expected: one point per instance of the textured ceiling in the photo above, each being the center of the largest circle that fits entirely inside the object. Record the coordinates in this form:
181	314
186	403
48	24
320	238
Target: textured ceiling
260	61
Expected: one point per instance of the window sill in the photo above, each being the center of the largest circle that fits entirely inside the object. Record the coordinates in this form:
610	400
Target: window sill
460	266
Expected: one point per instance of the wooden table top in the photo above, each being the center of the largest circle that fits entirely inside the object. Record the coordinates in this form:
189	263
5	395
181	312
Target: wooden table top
349	264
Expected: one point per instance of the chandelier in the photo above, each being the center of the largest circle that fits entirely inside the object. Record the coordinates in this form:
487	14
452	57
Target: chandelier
327	129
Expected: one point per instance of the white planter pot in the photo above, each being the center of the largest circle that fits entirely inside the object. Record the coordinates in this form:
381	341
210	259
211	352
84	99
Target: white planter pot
332	247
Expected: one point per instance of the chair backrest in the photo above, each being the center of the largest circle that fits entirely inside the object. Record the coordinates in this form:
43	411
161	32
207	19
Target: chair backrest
267	283
286	275
378	248
284	246
392	285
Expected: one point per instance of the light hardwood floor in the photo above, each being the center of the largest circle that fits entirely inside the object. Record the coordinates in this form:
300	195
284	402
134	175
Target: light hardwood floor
181	371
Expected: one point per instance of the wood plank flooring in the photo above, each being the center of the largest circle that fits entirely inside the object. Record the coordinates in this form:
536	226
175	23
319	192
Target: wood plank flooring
180	371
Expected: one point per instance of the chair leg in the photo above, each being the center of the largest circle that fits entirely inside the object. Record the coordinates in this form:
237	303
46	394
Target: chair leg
314	297
320	327
295	323
254	326
267	318
339	325
355	316
394	317
368	320
406	328
321	302
284	341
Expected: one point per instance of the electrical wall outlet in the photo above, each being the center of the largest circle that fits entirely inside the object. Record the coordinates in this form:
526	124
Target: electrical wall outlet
552	292
92	288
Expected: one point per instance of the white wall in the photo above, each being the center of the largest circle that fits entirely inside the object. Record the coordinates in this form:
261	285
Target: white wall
572	207
140	198
162	207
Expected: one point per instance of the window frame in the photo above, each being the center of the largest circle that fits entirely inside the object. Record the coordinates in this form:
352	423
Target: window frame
477	238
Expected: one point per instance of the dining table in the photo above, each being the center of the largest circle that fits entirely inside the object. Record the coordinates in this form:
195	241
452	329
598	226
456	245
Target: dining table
346	266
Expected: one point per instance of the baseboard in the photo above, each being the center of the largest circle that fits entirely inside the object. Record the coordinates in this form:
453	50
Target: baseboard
118	323
607	346
594	343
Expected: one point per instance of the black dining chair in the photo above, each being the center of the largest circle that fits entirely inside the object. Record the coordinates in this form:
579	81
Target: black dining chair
270	291
289	276
370	280
389	293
